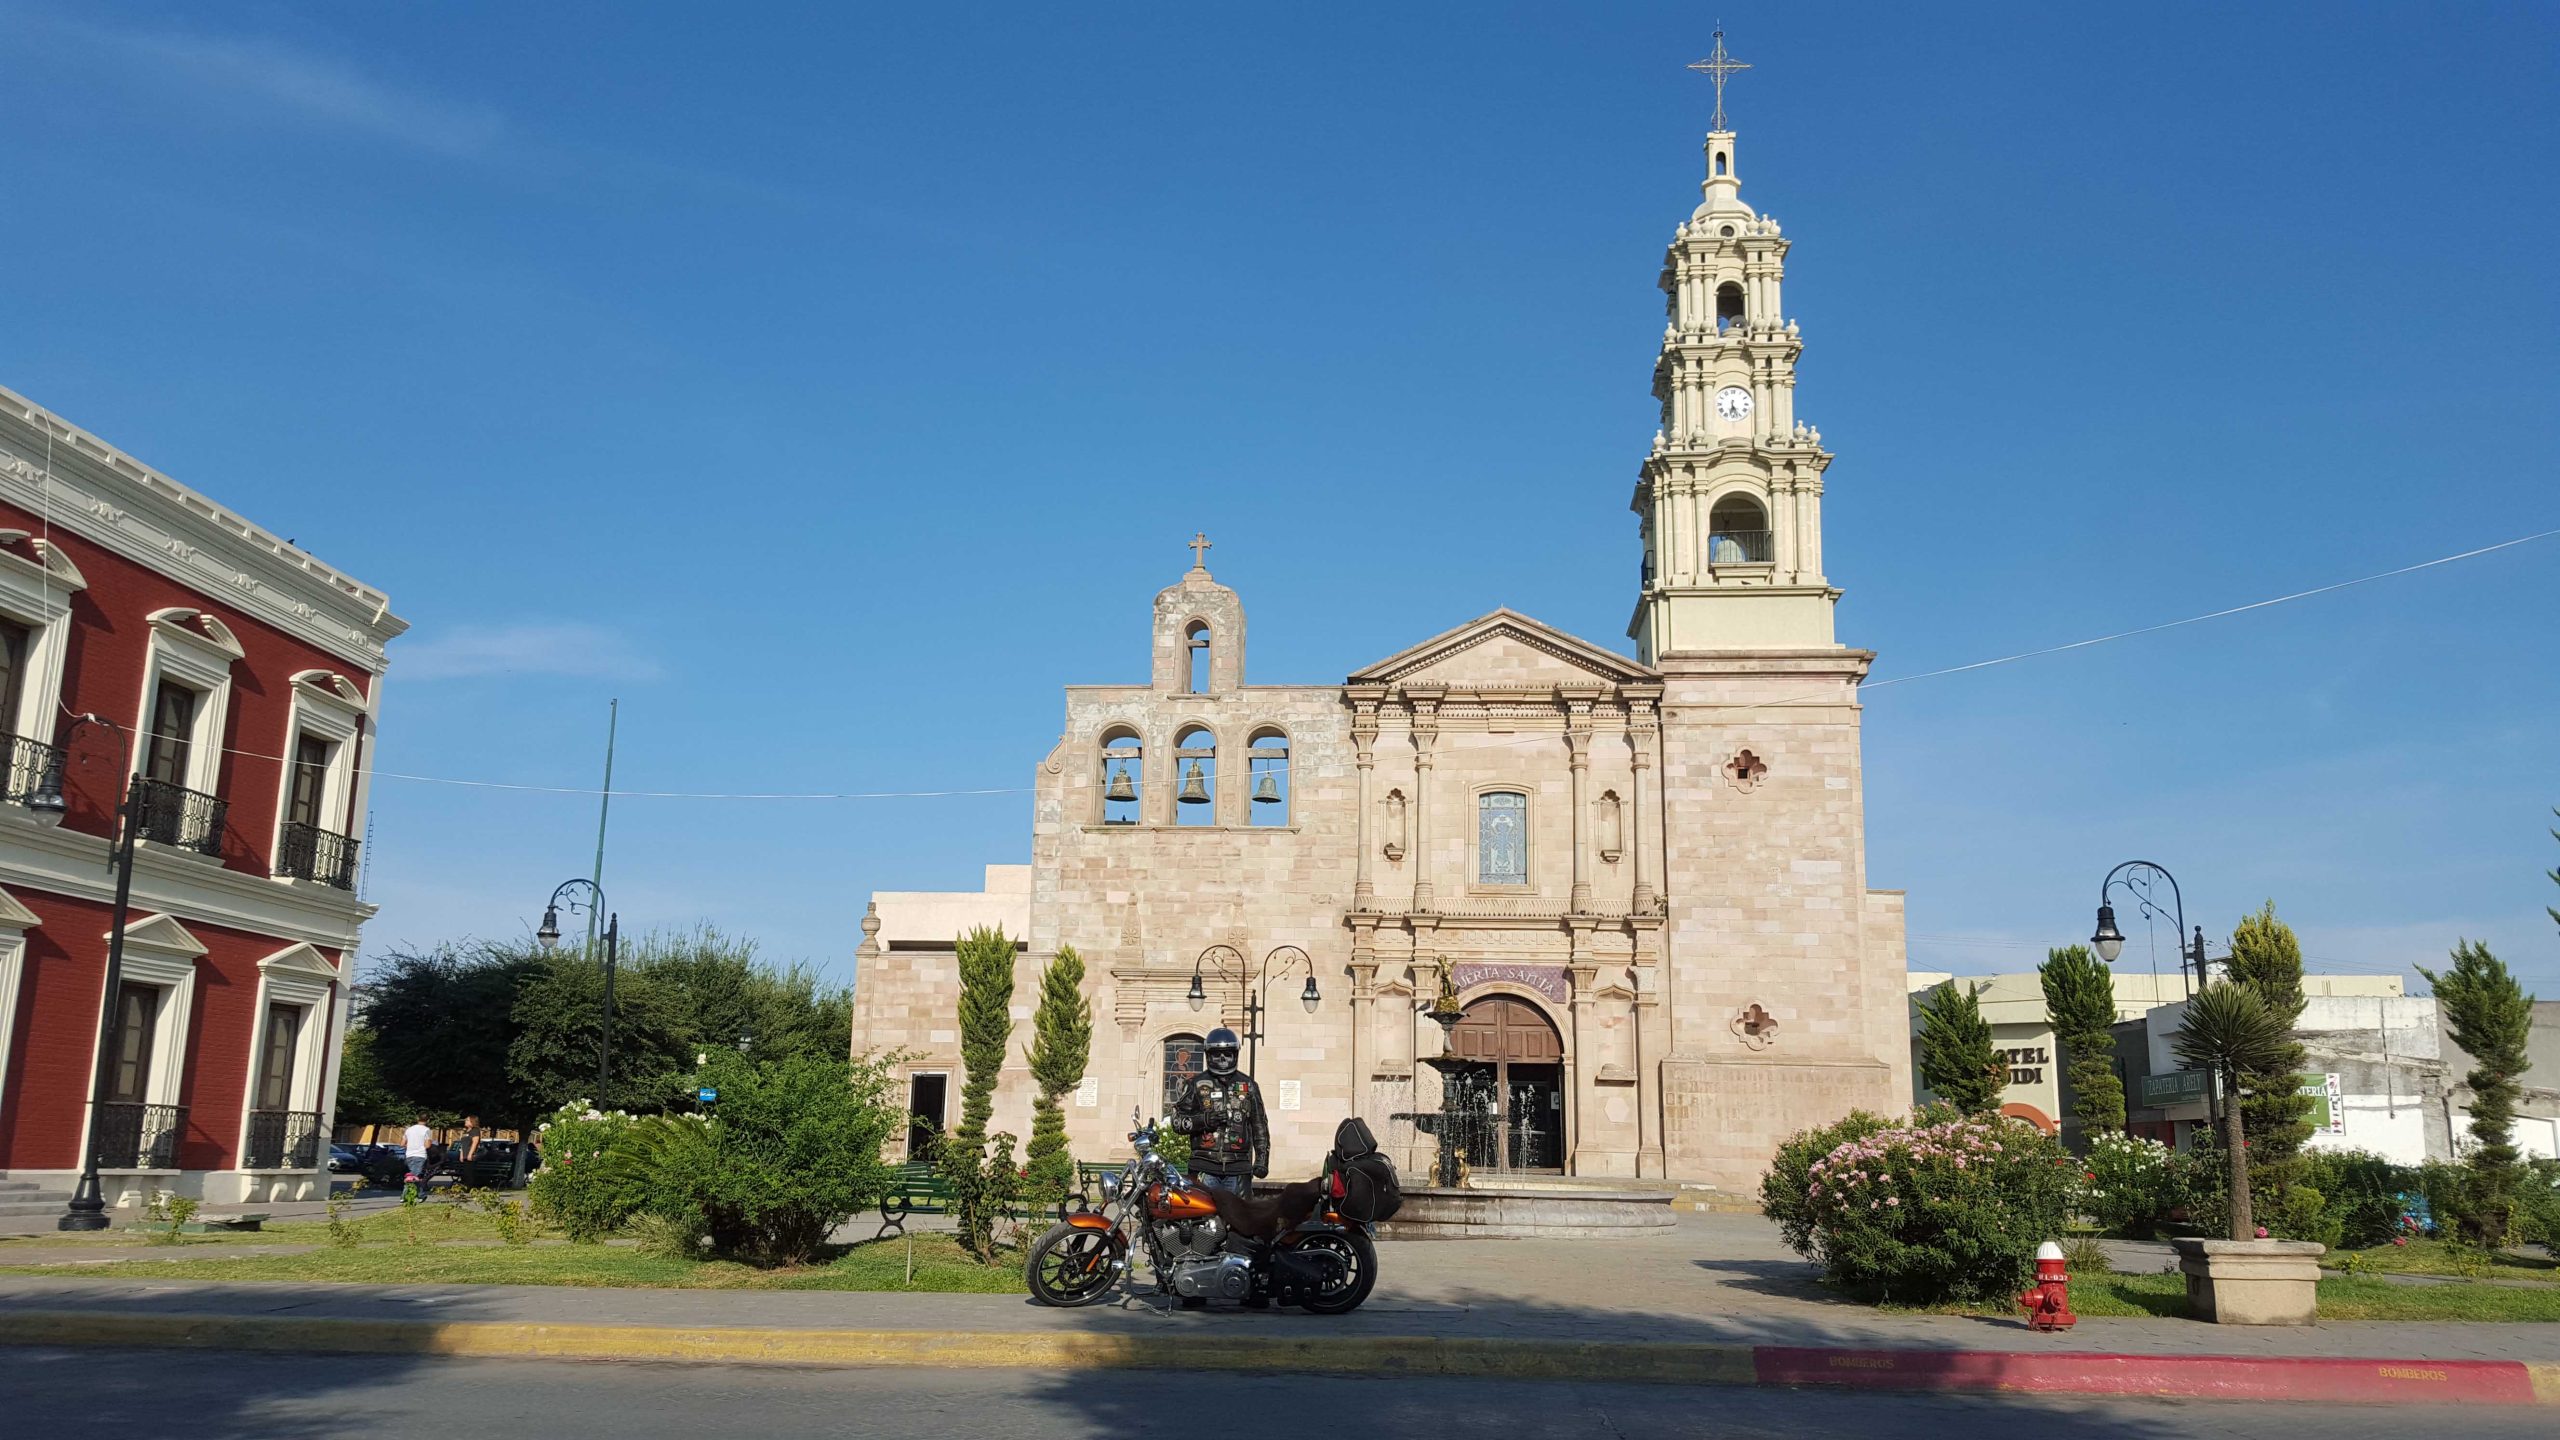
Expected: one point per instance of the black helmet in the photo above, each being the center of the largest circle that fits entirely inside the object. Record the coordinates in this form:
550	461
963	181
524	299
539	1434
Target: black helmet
1222	1046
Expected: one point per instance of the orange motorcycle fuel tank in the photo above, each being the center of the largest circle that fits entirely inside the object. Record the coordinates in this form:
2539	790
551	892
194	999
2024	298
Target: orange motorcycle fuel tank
1188	1203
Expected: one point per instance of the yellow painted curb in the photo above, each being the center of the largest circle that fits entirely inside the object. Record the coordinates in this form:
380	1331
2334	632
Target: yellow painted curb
1680	1364
2546	1383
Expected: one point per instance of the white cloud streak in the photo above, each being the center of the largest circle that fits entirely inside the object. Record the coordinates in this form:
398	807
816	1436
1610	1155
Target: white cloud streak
571	649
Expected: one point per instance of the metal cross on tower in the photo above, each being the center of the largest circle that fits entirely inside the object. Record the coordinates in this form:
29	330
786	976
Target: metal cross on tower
1719	67
1199	550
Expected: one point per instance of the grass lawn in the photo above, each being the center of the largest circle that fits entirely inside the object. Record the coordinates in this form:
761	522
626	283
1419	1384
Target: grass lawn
879	1265
435	1220
2350	1298
2438	1257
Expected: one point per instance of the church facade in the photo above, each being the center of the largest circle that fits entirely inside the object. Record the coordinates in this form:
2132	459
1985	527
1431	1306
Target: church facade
1608	915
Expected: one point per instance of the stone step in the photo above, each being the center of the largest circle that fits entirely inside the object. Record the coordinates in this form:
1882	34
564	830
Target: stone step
21	1206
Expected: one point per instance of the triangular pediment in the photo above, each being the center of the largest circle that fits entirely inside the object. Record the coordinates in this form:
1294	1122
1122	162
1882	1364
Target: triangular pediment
14	916
302	959
1505	648
162	933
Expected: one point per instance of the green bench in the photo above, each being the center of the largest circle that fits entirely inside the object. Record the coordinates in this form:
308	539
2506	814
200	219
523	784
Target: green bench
916	1188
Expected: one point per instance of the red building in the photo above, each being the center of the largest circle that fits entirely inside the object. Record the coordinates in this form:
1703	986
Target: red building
236	681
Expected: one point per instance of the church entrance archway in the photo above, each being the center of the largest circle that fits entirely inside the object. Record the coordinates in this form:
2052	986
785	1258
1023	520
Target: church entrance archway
1505	1084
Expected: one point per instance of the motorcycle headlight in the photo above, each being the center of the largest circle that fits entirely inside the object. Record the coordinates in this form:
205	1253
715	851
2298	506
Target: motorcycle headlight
1110	1184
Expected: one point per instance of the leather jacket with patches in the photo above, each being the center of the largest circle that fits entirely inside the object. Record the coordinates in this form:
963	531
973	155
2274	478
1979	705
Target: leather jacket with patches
1223	1116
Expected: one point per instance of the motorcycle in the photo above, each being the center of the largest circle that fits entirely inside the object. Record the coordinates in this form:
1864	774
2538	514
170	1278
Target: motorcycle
1205	1243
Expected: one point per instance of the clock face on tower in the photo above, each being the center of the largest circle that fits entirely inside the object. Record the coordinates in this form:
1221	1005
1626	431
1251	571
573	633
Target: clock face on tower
1733	402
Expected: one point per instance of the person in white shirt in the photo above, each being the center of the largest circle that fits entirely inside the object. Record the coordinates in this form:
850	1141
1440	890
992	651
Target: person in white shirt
416	1137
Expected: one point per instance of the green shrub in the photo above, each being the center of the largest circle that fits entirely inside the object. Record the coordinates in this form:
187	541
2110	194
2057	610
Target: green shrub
2203	1187
1787	1192
1941	1208
2129	1185
2361	1191
793	1152
575	1188
2303	1213
2537	1217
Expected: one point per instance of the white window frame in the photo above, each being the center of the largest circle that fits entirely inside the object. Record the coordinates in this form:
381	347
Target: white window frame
37	594
326	706
1528	882
15	921
157	951
296	975
198	651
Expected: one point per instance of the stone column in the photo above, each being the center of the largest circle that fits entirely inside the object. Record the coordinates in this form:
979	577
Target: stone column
1651	1046
1578	1074
1364	999
1426	733
1577	736
1639	822
1364	755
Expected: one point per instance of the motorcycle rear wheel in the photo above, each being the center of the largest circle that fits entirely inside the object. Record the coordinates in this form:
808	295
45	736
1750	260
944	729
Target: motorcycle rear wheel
1358	1255
1071	1265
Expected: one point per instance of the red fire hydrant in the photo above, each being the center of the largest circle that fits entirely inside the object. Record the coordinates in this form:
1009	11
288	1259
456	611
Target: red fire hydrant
2049	1303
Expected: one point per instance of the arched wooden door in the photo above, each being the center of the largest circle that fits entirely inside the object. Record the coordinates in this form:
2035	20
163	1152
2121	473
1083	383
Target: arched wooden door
1506	1093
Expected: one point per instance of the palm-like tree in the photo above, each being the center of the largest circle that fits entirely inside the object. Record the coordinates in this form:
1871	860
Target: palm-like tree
2230	1029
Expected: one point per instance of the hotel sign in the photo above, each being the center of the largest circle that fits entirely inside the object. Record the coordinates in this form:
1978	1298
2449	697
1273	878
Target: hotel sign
2178	1087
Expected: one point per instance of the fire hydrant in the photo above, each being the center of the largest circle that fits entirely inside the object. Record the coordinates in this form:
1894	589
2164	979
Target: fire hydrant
2048	1305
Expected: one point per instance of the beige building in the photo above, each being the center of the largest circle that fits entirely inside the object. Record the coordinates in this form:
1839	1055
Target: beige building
1643	878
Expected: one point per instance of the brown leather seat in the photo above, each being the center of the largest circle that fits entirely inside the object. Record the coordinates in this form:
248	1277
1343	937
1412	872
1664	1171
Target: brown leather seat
1262	1217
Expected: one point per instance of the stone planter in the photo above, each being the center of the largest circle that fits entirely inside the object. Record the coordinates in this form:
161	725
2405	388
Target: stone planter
2252	1282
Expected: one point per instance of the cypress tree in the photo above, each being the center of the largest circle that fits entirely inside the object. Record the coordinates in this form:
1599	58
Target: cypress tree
1061	1042
980	1185
2275	1114
2491	1018
1956	1058
2080	997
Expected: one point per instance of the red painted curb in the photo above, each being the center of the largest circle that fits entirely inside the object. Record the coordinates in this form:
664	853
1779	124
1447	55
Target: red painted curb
2203	1377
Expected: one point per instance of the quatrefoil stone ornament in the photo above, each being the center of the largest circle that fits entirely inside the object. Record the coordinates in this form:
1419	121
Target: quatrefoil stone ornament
1744	771
1756	1027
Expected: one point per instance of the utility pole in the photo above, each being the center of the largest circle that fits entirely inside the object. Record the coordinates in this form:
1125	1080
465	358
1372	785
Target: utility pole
604	812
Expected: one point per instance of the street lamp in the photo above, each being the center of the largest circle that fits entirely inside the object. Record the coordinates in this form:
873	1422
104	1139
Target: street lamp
2108	941
1229	963
88	1207
548	936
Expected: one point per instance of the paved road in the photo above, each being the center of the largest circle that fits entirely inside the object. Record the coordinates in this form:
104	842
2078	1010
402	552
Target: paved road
264	1397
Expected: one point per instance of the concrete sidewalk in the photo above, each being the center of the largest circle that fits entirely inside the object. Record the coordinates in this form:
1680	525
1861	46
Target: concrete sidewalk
1716	1301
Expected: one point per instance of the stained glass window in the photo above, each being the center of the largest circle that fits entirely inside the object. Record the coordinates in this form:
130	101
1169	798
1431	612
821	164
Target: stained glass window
1184	1058
1502	838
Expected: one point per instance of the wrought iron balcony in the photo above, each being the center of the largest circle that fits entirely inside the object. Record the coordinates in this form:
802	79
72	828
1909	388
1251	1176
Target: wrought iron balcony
27	761
137	1137
307	852
175	815
1741	547
283	1140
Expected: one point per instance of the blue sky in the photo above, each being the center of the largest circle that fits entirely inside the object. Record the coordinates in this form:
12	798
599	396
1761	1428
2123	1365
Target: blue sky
833	384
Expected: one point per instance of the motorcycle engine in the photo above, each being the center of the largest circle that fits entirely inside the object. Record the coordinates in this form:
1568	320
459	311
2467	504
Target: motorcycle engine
1213	1277
1199	1237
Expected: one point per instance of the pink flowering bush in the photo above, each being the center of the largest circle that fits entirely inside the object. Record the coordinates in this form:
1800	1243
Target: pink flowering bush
1942	1206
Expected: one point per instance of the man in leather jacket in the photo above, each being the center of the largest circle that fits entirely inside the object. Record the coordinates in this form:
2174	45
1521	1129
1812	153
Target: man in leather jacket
1222	1113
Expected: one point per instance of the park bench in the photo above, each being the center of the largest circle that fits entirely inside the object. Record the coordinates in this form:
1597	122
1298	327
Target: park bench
916	1188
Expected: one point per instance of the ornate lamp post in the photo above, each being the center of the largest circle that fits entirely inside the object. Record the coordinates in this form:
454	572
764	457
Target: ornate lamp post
88	1207
1228	964
549	936
2141	879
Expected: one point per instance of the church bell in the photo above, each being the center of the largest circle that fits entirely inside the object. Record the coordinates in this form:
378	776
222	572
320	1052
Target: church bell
1266	791
1120	787
1195	791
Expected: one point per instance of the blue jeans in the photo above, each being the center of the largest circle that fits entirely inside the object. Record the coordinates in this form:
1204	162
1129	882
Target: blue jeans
1236	1184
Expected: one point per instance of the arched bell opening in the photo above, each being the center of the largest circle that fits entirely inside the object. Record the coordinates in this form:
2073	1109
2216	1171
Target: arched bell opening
1503	1079
1728	306
1267	756
1122	757
1738	532
1197	643
1195	759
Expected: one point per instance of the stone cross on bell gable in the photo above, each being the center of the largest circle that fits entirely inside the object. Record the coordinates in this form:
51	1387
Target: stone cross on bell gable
1199	550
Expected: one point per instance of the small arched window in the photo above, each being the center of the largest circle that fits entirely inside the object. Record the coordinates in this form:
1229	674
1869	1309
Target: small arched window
1123	761
1728	305
1267	753
1195	658
1195	756
1502	838
1738	532
1185	1057
1723	166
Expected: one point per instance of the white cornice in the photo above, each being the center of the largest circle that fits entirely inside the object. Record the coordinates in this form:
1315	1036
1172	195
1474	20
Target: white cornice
106	496
40	857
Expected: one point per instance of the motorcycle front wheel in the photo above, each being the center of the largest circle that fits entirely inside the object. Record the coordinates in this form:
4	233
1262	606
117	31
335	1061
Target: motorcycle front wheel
1360	1266
1071	1265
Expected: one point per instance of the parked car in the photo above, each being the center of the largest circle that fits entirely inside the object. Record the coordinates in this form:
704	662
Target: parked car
347	1159
492	1165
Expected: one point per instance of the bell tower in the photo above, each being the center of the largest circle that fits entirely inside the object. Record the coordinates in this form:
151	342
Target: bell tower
1730	499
